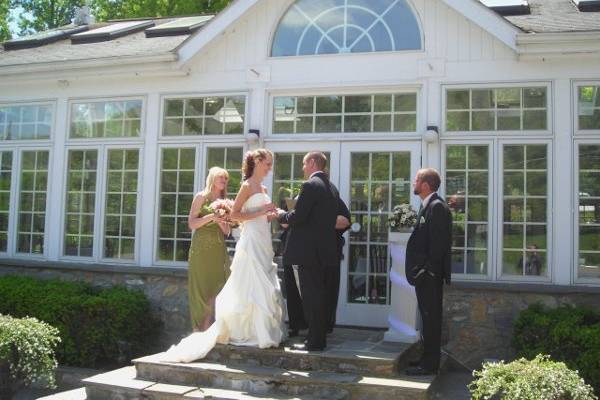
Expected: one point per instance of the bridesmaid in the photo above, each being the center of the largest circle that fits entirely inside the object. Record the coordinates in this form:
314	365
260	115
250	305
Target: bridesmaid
208	260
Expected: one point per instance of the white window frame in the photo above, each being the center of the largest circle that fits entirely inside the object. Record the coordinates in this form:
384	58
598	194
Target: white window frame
138	206
417	15
575	235
576	84
200	138
12	204
100	204
499	133
91	140
200	150
14	207
52	103
491	240
500	214
347	136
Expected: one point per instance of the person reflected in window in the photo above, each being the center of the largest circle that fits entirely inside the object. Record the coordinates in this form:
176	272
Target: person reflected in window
533	262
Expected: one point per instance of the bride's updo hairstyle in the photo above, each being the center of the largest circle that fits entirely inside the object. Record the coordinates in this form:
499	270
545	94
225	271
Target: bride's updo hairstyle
251	158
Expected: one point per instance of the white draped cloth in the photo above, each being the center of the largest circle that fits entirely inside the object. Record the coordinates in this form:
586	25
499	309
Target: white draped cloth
249	309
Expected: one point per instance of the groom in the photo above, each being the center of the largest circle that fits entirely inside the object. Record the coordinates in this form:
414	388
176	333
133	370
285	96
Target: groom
312	244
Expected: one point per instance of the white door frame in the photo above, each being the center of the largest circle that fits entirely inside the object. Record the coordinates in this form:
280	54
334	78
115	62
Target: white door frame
333	148
372	315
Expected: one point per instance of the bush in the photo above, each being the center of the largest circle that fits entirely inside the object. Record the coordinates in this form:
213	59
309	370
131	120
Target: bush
538	379
27	349
97	327
568	334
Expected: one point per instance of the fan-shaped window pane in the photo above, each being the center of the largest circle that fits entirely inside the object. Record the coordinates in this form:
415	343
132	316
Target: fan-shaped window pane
346	26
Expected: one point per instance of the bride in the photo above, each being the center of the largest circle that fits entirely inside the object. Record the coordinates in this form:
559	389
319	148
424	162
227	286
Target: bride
249	308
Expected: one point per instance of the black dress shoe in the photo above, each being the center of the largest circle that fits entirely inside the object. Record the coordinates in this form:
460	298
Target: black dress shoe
414	363
307	347
419	371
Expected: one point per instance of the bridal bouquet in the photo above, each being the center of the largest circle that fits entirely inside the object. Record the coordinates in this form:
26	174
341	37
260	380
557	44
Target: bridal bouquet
403	216
222	209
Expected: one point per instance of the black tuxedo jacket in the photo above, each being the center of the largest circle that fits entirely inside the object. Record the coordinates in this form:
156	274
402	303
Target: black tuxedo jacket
312	238
430	243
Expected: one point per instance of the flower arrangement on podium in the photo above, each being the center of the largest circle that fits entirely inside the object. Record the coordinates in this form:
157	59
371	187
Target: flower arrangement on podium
403	218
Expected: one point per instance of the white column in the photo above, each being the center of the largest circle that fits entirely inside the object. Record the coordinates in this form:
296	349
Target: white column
562	184
56	182
403	317
148	179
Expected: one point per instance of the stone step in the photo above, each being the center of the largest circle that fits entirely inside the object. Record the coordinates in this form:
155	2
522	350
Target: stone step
75	394
122	385
375	359
262	380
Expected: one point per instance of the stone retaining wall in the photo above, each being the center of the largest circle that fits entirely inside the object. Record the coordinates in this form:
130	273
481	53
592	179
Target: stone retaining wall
477	324
478	317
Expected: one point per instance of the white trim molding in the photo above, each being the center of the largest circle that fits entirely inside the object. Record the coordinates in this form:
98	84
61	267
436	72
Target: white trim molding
531	46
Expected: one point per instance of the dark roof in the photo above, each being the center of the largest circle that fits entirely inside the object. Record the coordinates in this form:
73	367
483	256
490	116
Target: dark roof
556	16
132	45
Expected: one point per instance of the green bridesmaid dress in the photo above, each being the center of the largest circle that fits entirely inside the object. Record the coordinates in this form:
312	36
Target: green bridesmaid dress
208	268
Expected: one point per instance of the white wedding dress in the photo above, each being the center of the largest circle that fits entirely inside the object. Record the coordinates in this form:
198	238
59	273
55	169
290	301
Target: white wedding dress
249	308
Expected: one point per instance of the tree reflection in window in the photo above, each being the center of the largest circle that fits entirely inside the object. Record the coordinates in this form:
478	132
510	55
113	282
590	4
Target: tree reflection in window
346	26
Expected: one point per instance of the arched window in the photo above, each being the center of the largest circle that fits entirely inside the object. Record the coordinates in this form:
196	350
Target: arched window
346	26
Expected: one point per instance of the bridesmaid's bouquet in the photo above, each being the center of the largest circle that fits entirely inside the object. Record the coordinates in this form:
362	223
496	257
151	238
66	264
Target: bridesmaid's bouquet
222	209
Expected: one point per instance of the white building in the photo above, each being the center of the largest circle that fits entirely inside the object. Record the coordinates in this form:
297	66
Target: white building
107	133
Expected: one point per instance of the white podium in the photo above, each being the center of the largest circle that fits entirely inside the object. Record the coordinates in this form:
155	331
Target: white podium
404	316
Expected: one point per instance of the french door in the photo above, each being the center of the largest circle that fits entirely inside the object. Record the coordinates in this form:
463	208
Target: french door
374	177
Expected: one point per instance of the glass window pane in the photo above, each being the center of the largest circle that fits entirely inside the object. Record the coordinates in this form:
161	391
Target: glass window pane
405	102
5	191
534	97
365	26
119	224
483	99
457	99
357	104
172	192
26	122
106	119
525	213
457	121
329	104
32	192
81	194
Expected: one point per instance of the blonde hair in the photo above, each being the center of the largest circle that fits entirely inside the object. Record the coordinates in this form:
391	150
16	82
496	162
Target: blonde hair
213	174
250	161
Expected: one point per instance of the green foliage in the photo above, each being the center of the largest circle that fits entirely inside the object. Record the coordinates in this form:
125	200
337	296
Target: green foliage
27	345
40	15
118	9
4	20
96	326
538	379
568	334
45	14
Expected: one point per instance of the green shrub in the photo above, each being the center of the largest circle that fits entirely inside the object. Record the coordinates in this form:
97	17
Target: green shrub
97	327
27	349
568	334
538	379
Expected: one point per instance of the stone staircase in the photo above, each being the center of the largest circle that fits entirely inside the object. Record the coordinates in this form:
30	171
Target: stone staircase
356	365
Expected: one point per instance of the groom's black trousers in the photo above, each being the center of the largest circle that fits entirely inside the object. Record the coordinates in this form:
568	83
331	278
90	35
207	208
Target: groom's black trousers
294	301
314	301
429	298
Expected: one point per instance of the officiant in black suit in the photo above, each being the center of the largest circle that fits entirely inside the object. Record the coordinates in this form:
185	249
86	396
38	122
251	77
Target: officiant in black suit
312	244
428	266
